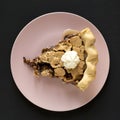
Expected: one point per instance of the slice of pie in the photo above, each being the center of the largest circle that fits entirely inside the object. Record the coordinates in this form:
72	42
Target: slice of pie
73	59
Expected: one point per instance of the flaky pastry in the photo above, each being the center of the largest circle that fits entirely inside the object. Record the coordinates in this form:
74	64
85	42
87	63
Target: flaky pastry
91	60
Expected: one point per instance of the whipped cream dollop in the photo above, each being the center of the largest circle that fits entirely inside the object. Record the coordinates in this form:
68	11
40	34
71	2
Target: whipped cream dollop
70	59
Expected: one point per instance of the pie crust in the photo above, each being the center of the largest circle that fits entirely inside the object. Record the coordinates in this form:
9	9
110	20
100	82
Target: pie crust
91	60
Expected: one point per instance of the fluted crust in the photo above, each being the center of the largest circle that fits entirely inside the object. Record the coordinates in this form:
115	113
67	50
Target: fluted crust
91	59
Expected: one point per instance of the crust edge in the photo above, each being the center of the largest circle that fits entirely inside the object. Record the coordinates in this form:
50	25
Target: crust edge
91	60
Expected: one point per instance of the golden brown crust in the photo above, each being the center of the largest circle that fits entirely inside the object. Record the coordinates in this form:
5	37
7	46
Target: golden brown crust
91	60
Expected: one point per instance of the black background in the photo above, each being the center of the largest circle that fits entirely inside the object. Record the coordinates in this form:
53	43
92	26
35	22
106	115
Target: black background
15	14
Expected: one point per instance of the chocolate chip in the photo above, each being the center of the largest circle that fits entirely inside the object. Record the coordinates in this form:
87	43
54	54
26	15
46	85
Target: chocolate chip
68	76
45	50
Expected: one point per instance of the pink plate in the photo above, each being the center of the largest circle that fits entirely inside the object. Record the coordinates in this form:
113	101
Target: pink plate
51	93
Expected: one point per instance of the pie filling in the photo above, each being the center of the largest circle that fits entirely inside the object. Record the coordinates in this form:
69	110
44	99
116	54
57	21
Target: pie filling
72	68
